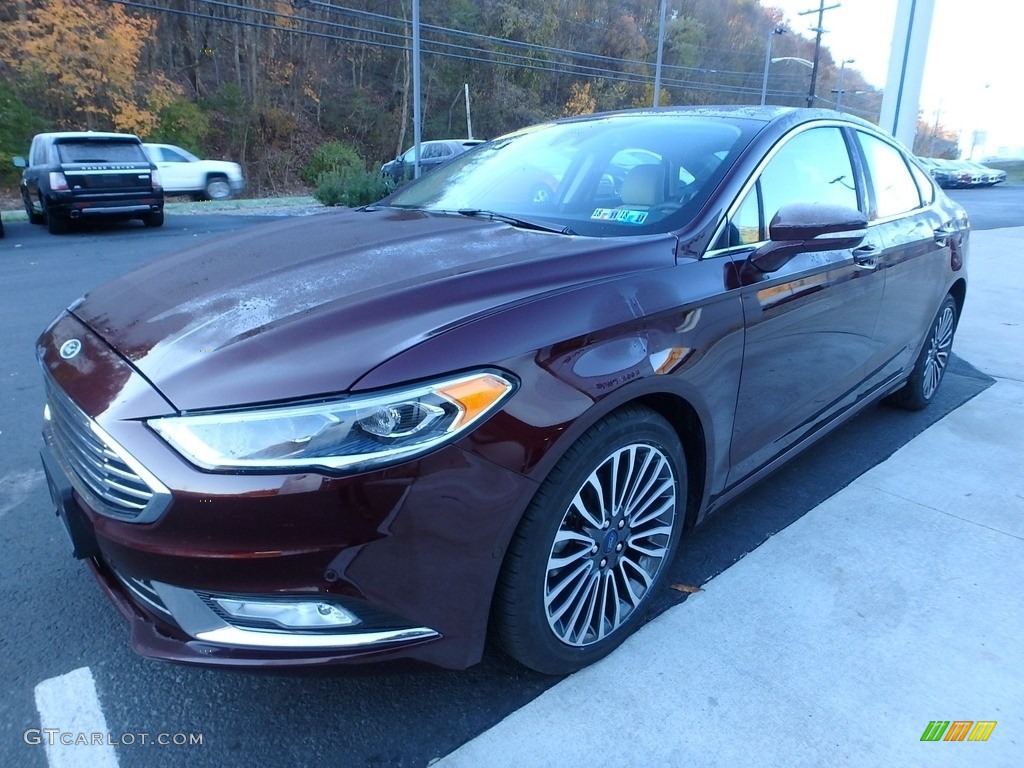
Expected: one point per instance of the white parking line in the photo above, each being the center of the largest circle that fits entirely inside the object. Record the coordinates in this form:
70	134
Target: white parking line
69	705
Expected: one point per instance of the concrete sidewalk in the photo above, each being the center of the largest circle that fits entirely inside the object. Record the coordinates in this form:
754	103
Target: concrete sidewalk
898	601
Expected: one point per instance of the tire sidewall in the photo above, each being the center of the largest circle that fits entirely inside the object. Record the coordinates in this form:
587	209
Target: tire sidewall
539	647
912	396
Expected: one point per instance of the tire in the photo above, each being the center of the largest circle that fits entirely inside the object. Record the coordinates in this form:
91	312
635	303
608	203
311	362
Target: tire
931	364
33	217
217	188
153	220
579	573
56	223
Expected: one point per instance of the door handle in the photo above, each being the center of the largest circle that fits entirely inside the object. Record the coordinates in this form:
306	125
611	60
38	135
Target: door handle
864	256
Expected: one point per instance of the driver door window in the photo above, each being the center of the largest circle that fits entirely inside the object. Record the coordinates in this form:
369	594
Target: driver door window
813	167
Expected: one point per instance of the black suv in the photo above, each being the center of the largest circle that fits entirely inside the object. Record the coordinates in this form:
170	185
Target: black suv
86	175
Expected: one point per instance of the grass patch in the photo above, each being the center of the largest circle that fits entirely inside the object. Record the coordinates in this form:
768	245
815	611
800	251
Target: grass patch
241	204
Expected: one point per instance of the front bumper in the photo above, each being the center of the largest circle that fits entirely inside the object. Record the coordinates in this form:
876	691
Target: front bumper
412	551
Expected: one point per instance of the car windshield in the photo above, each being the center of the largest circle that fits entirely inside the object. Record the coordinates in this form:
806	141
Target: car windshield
101	151
621	175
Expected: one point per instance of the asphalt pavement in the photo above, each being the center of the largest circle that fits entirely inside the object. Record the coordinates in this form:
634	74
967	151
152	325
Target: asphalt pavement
894	604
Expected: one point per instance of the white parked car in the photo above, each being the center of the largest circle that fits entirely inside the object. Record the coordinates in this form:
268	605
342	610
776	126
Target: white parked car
183	173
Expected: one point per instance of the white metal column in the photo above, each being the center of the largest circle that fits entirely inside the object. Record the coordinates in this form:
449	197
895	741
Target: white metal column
906	69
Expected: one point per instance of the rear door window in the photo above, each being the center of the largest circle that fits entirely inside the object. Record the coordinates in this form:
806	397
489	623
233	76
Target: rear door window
895	190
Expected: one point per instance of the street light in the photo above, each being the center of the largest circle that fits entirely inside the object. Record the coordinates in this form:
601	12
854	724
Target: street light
768	60
842	74
797	59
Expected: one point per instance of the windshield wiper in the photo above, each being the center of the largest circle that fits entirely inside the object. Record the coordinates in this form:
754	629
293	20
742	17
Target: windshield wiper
514	221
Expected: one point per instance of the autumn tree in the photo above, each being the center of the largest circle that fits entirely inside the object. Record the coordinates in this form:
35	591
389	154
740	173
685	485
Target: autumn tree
80	60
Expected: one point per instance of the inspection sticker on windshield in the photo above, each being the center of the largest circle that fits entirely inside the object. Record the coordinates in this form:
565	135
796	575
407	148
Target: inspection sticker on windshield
619	214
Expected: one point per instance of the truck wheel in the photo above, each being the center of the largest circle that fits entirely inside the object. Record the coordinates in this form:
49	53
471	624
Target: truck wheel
155	219
33	217
217	188
57	223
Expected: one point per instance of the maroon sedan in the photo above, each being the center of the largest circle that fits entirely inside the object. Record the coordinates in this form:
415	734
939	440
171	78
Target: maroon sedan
377	434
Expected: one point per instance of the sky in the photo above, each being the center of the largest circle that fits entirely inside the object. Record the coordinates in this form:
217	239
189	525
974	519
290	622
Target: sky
972	72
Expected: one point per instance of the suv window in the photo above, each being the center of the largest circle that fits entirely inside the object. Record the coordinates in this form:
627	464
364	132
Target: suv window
896	191
431	151
100	151
170	156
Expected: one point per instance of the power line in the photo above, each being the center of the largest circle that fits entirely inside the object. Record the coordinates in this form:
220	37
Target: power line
517	61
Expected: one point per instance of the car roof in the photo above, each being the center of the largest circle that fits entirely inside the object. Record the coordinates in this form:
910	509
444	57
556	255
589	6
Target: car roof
782	118
87	135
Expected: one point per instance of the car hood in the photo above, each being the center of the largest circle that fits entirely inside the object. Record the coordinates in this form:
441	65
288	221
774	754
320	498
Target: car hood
307	306
221	165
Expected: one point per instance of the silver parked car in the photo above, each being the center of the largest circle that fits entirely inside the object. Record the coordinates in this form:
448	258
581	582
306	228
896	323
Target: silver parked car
433	155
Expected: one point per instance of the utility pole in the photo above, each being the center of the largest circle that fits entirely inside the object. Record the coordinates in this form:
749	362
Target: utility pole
840	91
819	30
417	117
661	49
768	61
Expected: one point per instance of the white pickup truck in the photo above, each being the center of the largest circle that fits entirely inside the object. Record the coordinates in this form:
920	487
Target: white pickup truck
182	173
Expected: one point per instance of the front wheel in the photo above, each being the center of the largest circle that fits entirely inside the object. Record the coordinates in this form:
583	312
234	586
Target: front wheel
217	188
593	546
931	364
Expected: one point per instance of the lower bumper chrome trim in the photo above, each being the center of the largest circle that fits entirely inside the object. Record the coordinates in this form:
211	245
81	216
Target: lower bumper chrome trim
195	618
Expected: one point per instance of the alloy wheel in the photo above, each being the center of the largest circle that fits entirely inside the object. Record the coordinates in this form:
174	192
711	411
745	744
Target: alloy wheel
939	347
611	544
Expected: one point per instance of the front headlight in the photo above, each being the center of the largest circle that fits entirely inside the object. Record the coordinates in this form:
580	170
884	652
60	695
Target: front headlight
355	433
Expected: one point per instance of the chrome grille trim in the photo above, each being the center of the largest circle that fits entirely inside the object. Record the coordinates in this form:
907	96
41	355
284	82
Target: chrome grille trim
108	478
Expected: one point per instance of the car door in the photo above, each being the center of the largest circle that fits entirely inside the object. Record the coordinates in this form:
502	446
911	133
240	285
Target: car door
810	325
38	156
915	255
176	171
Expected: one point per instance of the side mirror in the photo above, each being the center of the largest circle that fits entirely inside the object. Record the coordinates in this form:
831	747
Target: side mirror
19	162
808	227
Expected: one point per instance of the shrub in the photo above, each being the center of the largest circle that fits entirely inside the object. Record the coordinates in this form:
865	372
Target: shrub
184	123
332	157
349	187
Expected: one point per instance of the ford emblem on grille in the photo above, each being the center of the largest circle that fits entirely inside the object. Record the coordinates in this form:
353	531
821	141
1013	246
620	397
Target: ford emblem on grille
70	348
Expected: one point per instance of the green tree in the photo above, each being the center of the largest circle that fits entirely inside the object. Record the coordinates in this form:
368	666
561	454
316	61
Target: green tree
18	124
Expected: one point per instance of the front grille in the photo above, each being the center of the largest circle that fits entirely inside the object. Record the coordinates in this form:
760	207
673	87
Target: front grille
97	471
